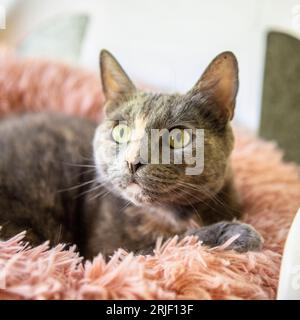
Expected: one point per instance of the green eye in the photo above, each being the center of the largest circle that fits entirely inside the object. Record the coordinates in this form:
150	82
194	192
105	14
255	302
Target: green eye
179	139
121	133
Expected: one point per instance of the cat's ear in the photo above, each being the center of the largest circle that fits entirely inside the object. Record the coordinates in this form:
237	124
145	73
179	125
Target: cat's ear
115	81
220	82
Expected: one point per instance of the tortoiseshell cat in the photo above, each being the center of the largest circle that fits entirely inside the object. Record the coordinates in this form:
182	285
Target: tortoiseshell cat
67	180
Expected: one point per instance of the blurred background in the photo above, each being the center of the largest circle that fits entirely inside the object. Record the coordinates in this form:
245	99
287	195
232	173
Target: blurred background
167	44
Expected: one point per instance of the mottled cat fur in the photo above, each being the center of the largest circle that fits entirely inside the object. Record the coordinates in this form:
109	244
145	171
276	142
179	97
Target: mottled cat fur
56	184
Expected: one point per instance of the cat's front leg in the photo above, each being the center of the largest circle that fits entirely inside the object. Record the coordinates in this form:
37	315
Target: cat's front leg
218	233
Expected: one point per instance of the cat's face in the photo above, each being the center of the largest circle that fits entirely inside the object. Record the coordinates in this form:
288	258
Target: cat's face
131	115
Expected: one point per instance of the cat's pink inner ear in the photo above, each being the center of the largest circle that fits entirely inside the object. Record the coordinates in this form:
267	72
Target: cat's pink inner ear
220	79
115	81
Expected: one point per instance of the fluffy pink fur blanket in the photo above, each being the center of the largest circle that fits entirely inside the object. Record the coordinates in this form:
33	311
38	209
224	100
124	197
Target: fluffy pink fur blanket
270	192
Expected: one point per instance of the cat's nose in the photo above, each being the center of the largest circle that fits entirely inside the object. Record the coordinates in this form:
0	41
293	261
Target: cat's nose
133	167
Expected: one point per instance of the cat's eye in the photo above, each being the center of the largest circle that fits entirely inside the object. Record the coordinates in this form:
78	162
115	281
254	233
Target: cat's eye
121	133
179	138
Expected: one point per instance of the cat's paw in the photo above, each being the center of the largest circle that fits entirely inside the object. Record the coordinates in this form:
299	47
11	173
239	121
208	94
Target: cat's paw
249	239
217	234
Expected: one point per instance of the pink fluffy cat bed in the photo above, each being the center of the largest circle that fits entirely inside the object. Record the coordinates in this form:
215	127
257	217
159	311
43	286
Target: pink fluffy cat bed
270	191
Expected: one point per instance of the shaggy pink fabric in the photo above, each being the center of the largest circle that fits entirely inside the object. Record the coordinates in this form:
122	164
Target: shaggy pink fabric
28	85
270	192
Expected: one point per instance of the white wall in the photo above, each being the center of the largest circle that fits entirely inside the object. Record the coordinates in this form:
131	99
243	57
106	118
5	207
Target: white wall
168	43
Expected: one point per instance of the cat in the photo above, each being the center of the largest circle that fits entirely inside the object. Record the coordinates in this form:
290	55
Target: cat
67	179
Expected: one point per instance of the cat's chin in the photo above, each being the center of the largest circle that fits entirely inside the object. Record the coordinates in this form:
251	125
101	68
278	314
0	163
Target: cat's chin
134	193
